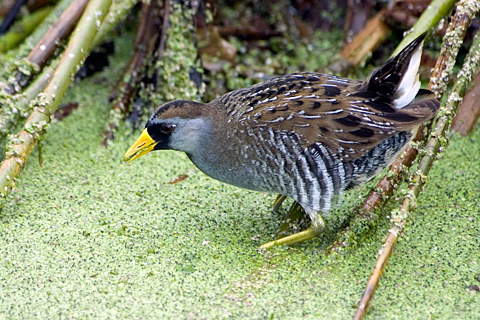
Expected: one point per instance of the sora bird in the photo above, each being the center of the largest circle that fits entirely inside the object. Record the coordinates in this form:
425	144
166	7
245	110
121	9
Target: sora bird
308	136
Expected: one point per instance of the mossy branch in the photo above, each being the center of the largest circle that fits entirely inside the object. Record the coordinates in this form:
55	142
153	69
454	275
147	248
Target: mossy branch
16	59
20	146
15	107
438	139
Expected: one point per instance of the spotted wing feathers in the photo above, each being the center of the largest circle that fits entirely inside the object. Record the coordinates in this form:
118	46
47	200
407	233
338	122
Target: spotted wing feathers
347	116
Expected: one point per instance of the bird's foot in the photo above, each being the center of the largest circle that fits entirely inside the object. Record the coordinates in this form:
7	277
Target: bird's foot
293	221
316	228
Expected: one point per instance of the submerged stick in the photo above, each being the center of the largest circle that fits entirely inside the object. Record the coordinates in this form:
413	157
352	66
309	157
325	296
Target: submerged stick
20	146
439	138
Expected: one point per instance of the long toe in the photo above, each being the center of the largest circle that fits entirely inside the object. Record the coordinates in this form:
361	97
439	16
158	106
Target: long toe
315	229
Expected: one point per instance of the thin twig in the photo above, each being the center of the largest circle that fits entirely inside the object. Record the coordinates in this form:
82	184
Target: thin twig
467	8
163	36
357	15
32	5
247	32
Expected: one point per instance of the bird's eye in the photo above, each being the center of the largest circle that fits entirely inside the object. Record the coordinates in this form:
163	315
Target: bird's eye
168	128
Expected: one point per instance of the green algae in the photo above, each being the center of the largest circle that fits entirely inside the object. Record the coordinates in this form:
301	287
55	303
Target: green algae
85	236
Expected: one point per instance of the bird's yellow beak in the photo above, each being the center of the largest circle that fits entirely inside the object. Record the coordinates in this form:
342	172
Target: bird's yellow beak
143	145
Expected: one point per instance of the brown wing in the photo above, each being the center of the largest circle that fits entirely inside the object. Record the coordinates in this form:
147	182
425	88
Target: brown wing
330	110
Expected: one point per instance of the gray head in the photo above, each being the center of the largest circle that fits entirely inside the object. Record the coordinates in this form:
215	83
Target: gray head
176	125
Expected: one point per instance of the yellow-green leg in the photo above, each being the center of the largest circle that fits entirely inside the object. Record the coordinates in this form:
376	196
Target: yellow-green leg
293	219
316	228
278	202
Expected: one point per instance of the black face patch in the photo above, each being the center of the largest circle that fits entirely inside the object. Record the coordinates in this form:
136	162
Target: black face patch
155	129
